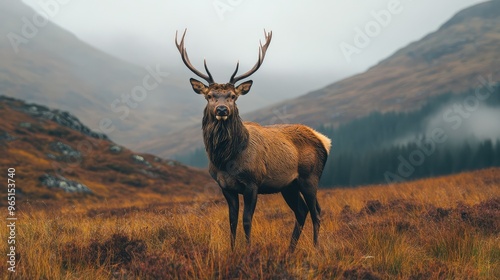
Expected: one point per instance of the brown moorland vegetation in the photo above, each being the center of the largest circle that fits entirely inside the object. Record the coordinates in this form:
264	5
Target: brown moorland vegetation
442	228
38	141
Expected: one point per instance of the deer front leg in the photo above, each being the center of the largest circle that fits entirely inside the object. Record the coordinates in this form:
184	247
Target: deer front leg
233	204
250	200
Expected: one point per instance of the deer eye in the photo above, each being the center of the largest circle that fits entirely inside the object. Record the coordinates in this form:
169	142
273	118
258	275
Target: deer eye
209	97
233	97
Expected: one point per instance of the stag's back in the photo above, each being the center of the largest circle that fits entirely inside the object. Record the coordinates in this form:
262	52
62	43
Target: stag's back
285	152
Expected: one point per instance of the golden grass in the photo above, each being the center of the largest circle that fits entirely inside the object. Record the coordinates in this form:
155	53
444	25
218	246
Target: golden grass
29	158
444	228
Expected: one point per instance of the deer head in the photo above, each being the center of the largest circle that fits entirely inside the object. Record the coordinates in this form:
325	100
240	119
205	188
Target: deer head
221	98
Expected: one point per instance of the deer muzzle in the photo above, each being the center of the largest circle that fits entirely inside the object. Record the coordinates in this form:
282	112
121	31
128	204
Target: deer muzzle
221	112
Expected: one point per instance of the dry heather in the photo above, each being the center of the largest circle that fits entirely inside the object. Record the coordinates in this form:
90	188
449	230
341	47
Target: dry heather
444	228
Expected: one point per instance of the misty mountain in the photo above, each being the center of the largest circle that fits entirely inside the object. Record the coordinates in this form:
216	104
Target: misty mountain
43	63
461	55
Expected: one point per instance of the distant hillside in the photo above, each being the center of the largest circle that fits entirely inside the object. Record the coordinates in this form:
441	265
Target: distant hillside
448	60
461	55
54	68
57	157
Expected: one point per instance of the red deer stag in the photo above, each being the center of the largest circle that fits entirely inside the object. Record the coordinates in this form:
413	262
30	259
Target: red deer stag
249	159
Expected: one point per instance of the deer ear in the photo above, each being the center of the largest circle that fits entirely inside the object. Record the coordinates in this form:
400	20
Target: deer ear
244	88
198	86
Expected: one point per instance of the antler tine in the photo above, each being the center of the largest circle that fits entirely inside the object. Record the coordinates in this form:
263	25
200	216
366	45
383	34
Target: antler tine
234	73
211	79
262	54
187	62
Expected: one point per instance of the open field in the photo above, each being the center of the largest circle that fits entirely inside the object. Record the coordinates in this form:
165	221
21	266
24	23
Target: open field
444	228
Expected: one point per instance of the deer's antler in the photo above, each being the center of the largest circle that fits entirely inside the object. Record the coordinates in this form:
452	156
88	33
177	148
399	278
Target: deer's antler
262	54
185	59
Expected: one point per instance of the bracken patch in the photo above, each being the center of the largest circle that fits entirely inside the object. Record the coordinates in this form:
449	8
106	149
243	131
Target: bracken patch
485	216
360	273
117	250
372	207
434	270
437	214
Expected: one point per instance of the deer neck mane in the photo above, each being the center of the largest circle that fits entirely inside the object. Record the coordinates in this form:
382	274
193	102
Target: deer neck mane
224	140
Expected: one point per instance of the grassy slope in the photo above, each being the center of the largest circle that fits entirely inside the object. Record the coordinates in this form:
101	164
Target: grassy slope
443	228
111	176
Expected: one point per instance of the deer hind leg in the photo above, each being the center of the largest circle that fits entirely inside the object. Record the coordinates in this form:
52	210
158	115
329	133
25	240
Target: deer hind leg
296	203
309	189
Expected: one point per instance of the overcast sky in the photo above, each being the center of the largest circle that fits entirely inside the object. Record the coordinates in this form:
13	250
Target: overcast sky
307	35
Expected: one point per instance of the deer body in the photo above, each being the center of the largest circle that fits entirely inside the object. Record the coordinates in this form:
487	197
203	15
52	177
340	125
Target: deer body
271	157
248	159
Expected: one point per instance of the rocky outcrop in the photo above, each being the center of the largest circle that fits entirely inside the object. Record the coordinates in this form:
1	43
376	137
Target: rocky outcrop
115	149
58	116
6	137
64	184
66	152
64	119
141	160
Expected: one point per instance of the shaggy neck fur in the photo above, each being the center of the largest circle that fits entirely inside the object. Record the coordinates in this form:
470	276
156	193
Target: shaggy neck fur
224	140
